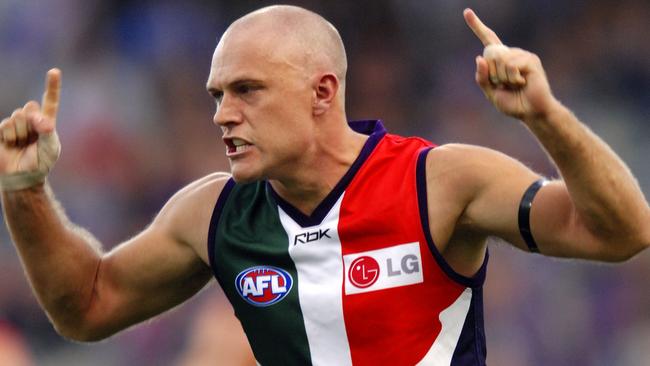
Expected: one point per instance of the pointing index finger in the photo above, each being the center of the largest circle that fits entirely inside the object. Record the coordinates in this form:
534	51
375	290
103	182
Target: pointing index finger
50	105
485	34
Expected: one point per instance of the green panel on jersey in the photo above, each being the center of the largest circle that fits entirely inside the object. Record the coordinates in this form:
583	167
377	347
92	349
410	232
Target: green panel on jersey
249	234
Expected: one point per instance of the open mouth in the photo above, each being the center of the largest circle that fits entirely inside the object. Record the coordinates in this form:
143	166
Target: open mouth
235	146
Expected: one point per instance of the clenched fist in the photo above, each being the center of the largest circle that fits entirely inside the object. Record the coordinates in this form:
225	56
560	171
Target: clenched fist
511	78
29	145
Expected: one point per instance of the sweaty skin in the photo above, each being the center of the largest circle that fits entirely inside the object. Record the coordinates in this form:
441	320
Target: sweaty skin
277	76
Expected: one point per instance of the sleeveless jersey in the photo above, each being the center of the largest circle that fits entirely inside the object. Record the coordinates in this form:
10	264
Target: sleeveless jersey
359	281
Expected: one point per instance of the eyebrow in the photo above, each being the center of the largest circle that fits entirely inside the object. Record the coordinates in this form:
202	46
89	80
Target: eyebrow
213	91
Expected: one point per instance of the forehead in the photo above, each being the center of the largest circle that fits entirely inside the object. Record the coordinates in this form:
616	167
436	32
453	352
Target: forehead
248	55
234	60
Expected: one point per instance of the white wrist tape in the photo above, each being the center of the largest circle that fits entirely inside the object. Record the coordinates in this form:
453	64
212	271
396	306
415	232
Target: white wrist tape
48	151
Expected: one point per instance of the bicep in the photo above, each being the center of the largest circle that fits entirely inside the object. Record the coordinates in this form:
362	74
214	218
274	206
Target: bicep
558	228
495	185
498	185
143	277
160	267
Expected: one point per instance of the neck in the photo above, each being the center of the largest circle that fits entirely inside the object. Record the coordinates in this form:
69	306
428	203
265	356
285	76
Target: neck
323	168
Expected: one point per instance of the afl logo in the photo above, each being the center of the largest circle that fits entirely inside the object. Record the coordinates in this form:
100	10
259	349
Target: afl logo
364	271
263	285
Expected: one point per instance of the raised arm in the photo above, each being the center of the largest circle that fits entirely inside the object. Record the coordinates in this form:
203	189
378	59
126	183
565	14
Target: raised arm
88	294
596	211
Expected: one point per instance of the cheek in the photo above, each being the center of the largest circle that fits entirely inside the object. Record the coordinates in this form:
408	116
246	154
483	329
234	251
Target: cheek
288	143
283	124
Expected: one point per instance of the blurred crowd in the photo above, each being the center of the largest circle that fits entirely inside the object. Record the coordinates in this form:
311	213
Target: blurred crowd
135	124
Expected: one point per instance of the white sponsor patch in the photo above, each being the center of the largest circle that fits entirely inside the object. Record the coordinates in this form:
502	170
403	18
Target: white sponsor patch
399	265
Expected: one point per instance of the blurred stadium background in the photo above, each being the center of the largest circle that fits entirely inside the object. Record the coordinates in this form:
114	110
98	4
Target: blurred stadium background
135	124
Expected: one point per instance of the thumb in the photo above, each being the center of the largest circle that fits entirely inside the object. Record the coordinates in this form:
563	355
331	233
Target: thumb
48	146
482	74
48	150
36	120
43	125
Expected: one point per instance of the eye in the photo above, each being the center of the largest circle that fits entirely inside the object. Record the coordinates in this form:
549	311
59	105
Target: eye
218	96
243	89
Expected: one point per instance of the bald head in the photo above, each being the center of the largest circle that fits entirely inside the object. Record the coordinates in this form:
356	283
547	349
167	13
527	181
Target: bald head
295	35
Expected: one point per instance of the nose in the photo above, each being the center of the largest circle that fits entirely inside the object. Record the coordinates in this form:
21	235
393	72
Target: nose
227	112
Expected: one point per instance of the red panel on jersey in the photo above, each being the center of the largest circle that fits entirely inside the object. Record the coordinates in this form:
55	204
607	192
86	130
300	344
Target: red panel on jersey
380	210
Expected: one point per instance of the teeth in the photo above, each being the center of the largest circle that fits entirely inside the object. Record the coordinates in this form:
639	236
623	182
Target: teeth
241	148
238	142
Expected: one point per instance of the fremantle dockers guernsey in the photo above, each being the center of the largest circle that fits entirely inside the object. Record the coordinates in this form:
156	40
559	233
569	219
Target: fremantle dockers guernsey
357	282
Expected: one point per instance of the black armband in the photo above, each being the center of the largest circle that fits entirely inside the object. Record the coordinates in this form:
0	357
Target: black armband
524	214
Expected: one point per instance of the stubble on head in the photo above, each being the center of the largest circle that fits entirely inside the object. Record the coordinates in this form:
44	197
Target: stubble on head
291	37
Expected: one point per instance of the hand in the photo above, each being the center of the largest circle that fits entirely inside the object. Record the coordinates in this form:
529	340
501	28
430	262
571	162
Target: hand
29	146
511	78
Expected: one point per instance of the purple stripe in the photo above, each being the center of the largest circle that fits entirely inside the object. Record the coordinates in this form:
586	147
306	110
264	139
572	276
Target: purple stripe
470	348
377	132
214	221
421	178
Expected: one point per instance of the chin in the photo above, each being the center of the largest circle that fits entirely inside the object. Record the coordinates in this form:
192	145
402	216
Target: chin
244	179
244	176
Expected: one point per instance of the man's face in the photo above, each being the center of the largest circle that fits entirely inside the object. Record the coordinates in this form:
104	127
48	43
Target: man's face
264	106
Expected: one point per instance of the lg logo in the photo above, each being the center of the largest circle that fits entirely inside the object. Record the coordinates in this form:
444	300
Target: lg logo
364	271
395	266
409	264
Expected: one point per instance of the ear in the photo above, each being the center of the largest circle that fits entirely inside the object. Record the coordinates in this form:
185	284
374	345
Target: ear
326	88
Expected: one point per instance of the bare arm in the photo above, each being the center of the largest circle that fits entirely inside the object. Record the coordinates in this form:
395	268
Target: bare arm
60	261
90	295
599	206
596	211
160	267
87	294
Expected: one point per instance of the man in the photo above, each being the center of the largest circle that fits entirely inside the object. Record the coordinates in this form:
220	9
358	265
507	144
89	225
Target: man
336	243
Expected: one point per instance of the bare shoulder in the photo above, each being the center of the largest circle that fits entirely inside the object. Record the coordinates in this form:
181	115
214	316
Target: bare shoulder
186	216
449	188
201	188
468	168
458	176
468	160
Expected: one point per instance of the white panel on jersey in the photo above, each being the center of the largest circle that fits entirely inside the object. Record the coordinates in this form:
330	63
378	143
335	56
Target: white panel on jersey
316	253
452	320
395	266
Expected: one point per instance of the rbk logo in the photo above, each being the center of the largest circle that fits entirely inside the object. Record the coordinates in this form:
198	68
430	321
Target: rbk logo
311	236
